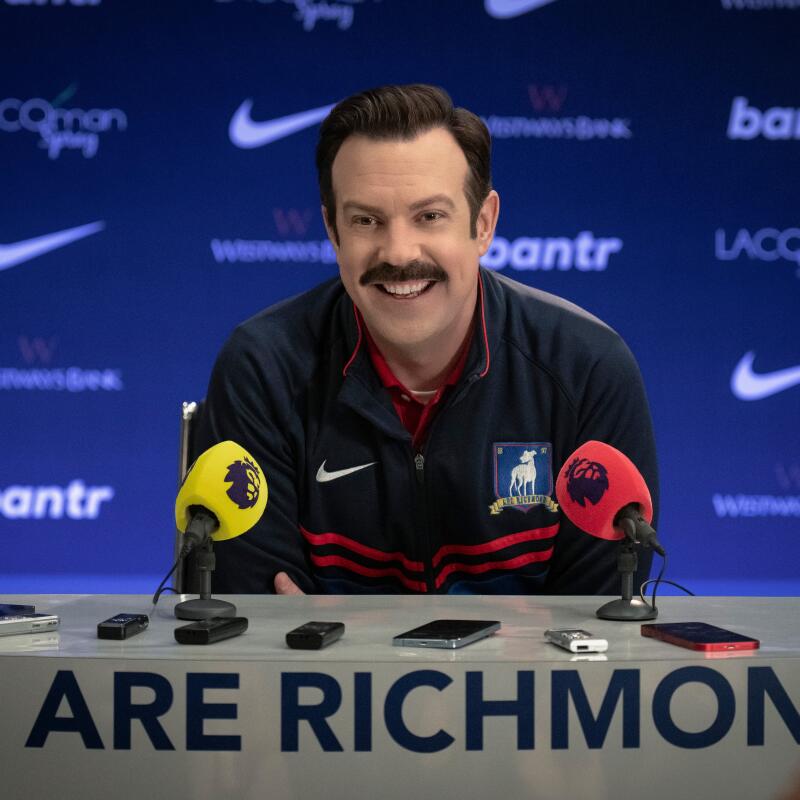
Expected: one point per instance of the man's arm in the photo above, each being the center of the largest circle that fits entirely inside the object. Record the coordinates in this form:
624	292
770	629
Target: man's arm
613	410
249	407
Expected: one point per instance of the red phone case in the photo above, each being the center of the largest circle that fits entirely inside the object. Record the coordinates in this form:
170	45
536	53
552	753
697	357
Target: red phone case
695	636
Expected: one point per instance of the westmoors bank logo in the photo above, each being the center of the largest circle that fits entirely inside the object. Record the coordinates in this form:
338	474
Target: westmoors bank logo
308	13
58	127
291	247
585	252
764	506
74	501
776	123
39	373
548	100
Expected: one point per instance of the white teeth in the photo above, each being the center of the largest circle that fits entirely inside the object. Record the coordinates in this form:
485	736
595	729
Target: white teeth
405	288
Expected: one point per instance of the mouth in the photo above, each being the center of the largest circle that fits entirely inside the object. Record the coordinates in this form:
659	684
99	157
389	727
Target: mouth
404	290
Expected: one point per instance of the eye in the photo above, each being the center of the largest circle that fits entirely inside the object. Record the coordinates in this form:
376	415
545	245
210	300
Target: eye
365	221
431	216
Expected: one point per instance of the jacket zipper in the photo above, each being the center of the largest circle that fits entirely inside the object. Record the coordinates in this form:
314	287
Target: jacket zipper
422	521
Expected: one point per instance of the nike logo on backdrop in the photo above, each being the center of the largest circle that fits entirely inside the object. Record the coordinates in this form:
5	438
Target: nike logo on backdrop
323	476
749	385
19	252
506	9
246	133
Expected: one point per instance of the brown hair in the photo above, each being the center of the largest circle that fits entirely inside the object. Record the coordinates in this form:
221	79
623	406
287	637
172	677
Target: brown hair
404	112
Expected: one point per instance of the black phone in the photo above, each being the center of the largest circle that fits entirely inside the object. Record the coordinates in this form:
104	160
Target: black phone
699	636
122	626
447	633
315	635
208	631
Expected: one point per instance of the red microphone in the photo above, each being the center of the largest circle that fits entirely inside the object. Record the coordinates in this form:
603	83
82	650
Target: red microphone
602	493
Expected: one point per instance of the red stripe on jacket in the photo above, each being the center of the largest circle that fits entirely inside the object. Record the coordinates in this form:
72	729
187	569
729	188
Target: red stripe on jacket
320	539
487	566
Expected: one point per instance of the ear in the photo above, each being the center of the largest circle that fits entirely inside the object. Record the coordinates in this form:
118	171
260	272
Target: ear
487	221
330	231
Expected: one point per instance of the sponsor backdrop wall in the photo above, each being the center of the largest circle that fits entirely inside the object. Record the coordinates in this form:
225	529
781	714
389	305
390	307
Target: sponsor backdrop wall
646	155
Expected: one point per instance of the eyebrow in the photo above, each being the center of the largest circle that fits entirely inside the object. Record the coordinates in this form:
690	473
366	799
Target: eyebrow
435	199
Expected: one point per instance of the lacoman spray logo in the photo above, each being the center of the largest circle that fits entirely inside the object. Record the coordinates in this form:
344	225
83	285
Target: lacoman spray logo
308	13
766	244
586	252
74	501
549	101
60	128
775	123
291	246
38	371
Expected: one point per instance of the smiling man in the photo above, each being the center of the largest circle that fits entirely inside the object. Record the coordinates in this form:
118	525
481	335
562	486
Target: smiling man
410	415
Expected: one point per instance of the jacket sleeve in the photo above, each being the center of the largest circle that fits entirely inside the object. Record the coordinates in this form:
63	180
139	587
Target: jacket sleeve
255	410
614	410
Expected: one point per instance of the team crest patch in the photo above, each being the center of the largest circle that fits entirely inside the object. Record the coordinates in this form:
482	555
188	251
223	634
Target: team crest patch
523	476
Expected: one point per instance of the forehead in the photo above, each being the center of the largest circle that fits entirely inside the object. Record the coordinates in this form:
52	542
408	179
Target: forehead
432	162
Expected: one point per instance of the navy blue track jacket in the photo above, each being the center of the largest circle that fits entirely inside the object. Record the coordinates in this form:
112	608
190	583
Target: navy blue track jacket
475	511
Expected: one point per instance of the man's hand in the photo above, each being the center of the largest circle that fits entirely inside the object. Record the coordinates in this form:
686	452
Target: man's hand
285	585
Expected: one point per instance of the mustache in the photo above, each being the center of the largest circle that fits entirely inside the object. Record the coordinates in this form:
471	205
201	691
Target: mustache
413	271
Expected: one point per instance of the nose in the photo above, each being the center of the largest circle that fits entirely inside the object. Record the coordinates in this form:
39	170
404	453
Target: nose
399	244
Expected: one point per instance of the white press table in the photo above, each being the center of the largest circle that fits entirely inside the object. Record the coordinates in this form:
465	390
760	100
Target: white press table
508	717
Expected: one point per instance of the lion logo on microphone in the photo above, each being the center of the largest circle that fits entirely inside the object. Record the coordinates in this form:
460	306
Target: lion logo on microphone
586	480
246	483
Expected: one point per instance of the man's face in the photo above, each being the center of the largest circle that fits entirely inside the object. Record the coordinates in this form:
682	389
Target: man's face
405	252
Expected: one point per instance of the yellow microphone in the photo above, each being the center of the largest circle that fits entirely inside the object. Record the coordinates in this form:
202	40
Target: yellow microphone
222	496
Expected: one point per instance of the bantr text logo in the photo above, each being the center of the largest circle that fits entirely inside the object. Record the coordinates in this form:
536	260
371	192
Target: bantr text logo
766	244
74	501
60	128
585	252
550	99
36	350
748	122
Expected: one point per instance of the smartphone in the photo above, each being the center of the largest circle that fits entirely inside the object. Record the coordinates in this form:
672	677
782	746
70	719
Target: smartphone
447	633
27	623
699	636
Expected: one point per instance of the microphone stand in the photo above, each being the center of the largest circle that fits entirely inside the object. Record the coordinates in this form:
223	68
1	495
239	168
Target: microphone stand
204	607
627	609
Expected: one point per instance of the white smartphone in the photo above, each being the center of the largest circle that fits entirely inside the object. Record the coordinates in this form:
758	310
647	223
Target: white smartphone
576	640
27	623
447	633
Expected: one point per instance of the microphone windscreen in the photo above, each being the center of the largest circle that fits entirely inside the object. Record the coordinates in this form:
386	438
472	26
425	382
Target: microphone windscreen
228	482
596	482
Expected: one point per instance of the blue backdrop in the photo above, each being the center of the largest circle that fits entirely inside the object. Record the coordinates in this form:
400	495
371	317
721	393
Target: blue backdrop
646	156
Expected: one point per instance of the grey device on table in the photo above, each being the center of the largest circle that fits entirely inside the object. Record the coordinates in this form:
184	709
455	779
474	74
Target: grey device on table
27	623
447	633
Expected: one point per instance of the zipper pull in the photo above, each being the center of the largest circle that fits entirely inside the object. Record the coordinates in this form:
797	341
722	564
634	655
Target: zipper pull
419	464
